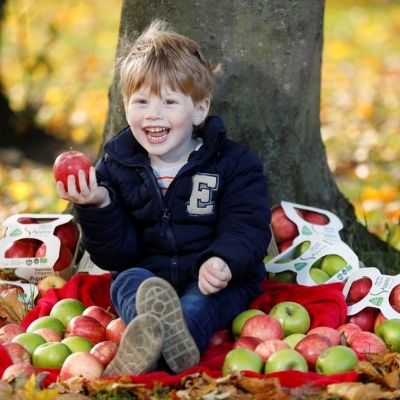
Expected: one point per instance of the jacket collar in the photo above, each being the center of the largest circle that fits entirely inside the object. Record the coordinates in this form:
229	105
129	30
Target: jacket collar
125	149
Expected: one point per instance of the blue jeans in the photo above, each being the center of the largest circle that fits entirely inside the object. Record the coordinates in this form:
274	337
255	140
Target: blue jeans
203	314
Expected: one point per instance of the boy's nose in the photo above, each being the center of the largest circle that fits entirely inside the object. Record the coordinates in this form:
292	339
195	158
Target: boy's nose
154	111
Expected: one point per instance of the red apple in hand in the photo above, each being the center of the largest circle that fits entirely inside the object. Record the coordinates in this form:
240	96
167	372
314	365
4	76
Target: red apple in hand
100	314
69	163
68	234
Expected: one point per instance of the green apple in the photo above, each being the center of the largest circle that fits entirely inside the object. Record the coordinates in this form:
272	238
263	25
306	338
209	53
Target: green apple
318	275
293	317
293	339
50	355
301	248
332	264
284	360
389	331
29	340
78	343
284	276
335	360
66	309
48	322
241	359
241	318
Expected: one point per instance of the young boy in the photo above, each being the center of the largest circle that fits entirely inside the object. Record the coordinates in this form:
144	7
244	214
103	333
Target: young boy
177	211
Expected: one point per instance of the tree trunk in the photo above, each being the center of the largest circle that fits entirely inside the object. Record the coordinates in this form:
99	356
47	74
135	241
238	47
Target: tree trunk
268	95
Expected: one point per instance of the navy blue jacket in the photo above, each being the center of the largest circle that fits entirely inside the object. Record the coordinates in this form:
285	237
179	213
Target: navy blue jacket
216	206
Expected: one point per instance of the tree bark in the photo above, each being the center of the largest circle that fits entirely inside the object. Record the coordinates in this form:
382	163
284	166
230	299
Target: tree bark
268	95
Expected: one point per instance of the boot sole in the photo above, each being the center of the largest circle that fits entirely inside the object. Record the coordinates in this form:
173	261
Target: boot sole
156	296
140	347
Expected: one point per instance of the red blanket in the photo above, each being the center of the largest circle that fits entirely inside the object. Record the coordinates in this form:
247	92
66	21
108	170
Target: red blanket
325	303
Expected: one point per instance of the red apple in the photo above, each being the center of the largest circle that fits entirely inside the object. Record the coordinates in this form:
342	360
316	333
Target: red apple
268	347
69	163
49	335
311	346
264	327
50	282
22	248
26	220
68	234
282	227
346	330
115	329
81	364
284	245
394	298
88	327
358	290
315	218
64	260
17	353
366	342
18	371
247	342
105	351
332	334
365	318
9	331
100	314
220	336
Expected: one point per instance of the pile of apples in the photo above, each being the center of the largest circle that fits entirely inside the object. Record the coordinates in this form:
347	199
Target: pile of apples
282	340
77	340
68	234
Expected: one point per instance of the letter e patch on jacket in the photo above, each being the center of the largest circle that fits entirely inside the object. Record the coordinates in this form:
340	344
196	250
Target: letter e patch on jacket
200	202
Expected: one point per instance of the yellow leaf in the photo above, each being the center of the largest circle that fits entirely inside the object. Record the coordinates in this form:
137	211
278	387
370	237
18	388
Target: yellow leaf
32	392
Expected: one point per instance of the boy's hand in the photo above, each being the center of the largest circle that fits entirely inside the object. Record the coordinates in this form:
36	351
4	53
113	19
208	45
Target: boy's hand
90	193
214	275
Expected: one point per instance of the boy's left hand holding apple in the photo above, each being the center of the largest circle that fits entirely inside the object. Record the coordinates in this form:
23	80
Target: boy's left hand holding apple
89	193
214	275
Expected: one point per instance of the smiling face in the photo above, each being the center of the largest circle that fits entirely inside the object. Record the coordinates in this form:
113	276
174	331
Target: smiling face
163	123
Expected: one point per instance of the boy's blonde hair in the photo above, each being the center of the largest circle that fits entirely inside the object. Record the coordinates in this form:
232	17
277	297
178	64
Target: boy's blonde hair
161	56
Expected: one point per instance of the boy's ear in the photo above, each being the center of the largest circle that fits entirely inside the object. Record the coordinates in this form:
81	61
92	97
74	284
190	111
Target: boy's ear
201	109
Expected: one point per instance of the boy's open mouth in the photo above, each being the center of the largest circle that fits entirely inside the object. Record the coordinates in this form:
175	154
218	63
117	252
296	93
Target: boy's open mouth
157	134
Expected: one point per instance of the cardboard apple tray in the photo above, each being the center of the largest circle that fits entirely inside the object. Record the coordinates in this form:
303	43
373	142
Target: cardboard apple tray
323	240
33	269
379	292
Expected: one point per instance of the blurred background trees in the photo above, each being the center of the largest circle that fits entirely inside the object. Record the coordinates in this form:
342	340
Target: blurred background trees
56	66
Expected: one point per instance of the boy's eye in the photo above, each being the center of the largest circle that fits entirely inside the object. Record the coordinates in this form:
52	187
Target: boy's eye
139	101
170	101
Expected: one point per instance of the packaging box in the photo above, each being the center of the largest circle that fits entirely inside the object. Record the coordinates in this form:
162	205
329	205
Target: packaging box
316	254
379	292
34	227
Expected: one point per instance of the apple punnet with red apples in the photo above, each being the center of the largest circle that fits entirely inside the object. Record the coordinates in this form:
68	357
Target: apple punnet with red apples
293	317
69	163
64	259
68	234
263	327
358	290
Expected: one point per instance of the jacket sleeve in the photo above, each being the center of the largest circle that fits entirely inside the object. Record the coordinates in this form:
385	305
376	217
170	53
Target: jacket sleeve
108	233
243	232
